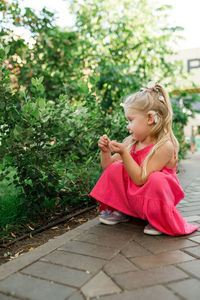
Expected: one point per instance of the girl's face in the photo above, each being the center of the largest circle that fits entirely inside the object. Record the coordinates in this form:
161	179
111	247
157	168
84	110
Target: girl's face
138	125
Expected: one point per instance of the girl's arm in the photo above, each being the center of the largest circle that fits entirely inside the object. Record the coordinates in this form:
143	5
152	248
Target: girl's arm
158	160
107	159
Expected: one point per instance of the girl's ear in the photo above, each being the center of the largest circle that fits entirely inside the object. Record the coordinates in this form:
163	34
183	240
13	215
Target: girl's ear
151	117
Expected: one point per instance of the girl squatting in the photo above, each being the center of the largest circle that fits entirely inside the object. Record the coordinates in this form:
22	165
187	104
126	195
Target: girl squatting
139	179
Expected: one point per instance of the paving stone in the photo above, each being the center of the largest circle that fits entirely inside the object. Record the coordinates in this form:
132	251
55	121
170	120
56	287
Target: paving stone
188	236
76	296
194	185
156	260
194	190
27	258
192	267
34	289
143	239
165	237
193	203
121	232
194	223
183	201
193	199
112	241
77	261
135	225
101	230
188	289
100	285
119	264
190	204
107	233
194	251
57	273
133	249
162	245
157	292
195	239
137	279
85	226
89	249
189	208
189	213
4	297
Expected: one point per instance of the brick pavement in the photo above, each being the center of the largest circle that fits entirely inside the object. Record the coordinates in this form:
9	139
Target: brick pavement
96	261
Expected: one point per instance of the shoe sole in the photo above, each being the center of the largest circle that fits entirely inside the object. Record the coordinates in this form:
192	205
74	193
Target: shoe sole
107	222
149	232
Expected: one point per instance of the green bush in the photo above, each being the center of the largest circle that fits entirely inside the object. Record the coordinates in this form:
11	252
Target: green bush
52	145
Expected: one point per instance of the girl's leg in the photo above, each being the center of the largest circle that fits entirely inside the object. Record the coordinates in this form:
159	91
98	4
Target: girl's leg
103	206
111	216
160	209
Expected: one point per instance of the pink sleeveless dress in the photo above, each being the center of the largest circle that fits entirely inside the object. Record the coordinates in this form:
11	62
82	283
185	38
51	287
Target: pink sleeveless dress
154	201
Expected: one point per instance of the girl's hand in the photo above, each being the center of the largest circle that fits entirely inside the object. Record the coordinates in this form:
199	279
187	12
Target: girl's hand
103	143
116	147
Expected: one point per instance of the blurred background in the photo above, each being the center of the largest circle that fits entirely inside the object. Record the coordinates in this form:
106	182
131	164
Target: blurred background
66	67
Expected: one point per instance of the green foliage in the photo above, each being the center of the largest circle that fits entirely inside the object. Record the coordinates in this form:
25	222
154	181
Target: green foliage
51	52
179	116
179	133
126	45
11	212
115	52
51	144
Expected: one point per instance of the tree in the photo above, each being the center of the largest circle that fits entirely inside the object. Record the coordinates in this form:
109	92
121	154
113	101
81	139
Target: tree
51	52
125	44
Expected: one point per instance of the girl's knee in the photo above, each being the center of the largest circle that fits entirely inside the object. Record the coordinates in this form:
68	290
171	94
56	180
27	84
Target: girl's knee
156	178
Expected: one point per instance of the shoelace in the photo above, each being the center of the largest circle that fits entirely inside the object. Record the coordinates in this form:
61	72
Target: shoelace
106	212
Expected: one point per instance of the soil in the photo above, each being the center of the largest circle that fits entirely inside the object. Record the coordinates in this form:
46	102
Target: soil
29	244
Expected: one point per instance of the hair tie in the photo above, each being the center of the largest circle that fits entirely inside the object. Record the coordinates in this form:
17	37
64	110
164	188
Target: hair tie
151	86
145	90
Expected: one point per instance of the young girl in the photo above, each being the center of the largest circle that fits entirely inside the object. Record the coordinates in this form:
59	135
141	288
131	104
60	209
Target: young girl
140	180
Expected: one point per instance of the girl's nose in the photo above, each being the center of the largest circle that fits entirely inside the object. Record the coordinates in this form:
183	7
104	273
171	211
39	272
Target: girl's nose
128	127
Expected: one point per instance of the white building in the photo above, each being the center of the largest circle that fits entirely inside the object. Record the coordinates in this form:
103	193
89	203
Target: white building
191	60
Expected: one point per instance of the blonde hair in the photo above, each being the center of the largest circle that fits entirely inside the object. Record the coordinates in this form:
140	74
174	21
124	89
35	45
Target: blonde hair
153	99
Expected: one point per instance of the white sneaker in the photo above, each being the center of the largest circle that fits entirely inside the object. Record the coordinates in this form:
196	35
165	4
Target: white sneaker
149	229
114	218
105	213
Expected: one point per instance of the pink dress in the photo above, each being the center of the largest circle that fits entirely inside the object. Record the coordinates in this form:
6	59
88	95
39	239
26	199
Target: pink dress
154	201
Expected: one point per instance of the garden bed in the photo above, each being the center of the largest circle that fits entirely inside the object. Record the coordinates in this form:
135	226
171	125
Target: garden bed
29	244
